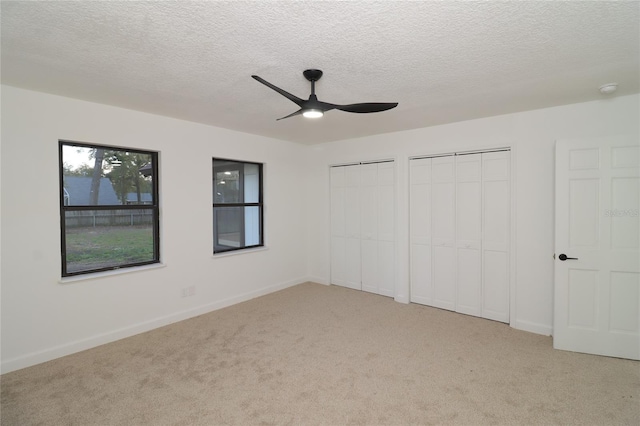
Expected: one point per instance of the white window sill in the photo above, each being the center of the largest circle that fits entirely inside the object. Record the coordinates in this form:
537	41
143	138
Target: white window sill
239	252
105	274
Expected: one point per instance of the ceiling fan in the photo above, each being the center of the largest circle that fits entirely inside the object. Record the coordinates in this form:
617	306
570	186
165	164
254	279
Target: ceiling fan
313	108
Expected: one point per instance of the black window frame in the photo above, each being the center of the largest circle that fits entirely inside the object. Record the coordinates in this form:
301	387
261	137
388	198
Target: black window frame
153	207
238	165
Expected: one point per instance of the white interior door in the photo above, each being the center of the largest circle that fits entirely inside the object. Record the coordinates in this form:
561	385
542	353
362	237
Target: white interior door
597	285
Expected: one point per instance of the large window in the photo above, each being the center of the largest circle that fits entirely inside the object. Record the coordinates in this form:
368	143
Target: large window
108	208
237	205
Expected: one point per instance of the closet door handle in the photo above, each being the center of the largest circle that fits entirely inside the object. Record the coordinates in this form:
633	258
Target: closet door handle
564	257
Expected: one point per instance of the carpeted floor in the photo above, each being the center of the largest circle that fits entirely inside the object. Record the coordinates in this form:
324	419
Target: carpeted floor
315	354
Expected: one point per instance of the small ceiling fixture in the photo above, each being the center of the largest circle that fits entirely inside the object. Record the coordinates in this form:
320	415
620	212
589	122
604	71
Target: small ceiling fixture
609	88
313	108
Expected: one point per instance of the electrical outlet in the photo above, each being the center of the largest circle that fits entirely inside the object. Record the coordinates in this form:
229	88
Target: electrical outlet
189	291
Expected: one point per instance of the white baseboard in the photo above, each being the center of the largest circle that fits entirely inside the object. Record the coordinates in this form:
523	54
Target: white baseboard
532	327
65	349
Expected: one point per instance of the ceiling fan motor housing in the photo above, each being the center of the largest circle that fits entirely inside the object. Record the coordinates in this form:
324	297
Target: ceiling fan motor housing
312	75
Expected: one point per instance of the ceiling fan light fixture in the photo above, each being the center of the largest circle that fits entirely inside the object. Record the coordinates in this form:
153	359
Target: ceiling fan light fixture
313	113
313	108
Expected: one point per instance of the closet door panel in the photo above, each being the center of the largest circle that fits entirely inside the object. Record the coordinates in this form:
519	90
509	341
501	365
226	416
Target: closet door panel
353	264
386	216
496	218
443	207
443	215
369	202
496	214
386	229
420	201
338	208
444	277
496	285
469	234
352	227
420	230
421	283
469	278
370	273
352	201
468	199
338	261
338	241
386	268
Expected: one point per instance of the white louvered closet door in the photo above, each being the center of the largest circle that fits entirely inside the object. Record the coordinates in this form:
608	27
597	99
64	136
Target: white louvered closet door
459	233
366	259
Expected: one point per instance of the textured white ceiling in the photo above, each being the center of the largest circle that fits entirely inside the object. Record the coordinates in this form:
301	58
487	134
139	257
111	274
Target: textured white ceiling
442	61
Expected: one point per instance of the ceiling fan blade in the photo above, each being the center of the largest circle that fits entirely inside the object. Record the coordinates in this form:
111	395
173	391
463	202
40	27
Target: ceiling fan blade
298	112
367	107
284	93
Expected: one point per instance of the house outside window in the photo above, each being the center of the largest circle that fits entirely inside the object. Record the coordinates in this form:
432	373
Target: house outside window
237	205
109	214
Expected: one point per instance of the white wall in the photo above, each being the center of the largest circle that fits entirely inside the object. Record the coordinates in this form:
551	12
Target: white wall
532	136
43	318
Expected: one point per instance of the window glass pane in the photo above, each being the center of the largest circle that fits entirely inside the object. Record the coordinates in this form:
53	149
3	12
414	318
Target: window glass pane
228	223
97	239
106	176
251	183
227	187
251	226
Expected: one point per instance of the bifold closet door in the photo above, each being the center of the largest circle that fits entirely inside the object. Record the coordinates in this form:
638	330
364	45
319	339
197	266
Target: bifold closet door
345	226
363	227
459	233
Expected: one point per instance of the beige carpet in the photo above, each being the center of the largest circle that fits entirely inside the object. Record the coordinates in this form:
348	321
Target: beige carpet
314	354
